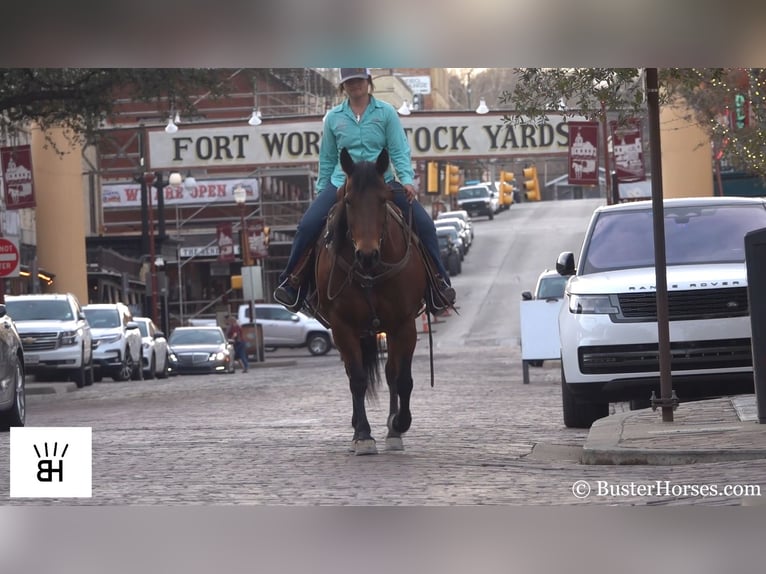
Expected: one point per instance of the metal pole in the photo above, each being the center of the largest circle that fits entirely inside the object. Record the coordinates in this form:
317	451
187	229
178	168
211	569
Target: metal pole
181	286
149	180
246	262
607	176
658	213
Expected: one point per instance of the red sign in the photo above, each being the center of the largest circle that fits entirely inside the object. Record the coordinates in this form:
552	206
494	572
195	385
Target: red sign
627	144
9	258
583	153
16	164
225	242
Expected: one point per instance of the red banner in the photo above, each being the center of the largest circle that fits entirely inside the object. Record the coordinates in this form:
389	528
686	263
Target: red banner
583	153
17	176
225	242
258	248
627	144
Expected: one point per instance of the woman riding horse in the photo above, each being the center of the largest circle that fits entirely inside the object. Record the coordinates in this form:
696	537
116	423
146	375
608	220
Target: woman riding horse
364	126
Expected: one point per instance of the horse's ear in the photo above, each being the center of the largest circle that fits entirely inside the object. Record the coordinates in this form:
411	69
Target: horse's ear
381	164
346	162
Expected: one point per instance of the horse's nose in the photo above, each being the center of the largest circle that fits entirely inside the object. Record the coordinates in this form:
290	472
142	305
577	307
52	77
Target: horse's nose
367	260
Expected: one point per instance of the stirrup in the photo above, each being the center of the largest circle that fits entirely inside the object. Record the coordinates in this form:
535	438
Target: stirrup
282	295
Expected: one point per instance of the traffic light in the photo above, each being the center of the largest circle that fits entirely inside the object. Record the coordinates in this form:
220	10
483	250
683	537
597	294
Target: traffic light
451	179
432	177
506	188
531	183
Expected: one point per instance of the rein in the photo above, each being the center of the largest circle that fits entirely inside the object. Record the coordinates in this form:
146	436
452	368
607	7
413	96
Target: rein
368	281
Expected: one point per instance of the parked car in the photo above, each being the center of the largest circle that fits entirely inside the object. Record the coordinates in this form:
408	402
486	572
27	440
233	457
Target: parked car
203	349
454	236
13	402
450	254
476	199
55	335
461	228
154	349
460	214
550	286
608	322
116	342
283	328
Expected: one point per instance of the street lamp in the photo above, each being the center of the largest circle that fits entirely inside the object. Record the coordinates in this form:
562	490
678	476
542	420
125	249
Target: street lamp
240	197
147	180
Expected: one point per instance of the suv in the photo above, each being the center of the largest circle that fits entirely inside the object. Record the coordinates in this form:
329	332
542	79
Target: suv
55	335
460	214
608	322
117	341
13	393
283	328
477	199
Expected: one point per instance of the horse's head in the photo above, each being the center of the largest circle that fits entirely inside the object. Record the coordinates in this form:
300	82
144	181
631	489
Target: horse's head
366	193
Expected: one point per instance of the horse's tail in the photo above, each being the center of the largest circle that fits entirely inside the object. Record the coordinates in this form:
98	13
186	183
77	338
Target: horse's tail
370	362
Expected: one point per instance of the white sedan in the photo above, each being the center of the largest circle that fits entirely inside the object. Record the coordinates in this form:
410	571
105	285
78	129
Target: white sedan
154	349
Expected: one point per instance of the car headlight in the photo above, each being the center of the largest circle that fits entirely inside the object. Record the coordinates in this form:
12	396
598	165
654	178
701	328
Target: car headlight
592	305
219	356
68	337
172	358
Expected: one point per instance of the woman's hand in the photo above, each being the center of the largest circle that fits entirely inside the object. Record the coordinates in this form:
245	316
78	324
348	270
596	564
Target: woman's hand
412	193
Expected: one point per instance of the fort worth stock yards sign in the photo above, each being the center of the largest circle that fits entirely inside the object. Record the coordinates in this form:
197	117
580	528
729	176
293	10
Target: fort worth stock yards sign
446	137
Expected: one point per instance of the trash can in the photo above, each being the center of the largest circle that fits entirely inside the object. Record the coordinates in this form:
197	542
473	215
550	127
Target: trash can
254	344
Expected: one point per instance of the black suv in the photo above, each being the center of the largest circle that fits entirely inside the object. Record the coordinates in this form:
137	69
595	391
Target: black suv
450	254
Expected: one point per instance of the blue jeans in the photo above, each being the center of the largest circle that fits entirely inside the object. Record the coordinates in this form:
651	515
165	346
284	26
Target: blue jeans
313	221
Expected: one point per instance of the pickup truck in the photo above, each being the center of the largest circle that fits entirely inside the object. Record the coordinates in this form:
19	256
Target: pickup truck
478	199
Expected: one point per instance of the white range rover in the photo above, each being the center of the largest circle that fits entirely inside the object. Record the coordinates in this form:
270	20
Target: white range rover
608	322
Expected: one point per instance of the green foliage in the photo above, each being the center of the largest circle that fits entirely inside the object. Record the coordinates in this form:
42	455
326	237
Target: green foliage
81	99
709	93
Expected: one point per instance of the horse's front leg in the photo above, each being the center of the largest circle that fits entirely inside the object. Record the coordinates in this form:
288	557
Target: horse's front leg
399	377
348	343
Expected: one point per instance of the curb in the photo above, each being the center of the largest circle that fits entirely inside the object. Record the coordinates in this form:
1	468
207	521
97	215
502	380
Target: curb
607	437
273	364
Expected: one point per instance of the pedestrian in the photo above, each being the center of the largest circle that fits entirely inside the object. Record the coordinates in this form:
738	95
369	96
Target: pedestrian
364	126
234	332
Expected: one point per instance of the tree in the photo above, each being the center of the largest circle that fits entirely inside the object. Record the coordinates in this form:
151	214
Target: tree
728	103
81	99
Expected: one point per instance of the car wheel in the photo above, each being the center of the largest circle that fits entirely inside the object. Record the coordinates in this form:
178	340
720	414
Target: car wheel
80	376
454	264
579	413
318	343
163	372
125	371
151	373
137	373
16	415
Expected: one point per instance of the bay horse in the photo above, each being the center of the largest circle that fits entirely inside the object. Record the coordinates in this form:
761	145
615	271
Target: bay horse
371	278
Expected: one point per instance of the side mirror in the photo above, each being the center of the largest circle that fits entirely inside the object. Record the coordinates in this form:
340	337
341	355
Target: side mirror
526	295
159	334
565	264
295	318
132	325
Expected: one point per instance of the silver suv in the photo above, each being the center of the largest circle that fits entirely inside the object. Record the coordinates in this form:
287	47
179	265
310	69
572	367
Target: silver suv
55	335
117	341
283	328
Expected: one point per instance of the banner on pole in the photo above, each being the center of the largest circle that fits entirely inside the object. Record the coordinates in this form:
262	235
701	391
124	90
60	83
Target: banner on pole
225	242
583	153
627	142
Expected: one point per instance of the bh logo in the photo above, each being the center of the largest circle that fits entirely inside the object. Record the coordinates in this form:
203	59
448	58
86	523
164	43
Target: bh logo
46	468
39	457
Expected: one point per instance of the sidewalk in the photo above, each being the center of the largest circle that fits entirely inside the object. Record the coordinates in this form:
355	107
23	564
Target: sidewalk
712	430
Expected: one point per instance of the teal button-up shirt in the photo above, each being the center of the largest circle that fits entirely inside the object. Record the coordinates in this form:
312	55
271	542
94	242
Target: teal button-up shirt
378	128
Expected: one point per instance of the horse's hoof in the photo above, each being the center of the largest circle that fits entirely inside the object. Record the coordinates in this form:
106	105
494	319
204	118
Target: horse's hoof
394	443
365	447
